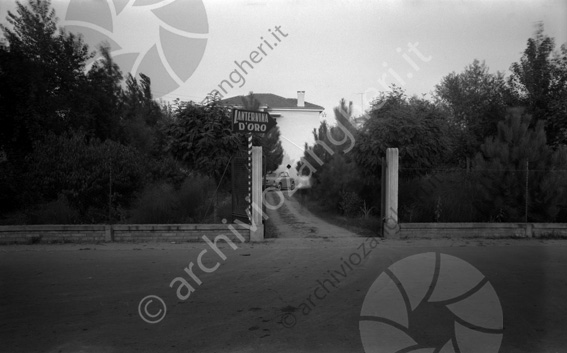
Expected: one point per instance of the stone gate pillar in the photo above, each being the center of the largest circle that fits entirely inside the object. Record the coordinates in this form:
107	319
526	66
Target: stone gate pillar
391	226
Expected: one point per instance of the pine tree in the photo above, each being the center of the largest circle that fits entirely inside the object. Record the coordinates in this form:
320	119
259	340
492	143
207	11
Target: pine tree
502	167
42	78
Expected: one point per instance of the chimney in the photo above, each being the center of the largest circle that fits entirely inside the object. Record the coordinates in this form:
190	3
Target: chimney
301	99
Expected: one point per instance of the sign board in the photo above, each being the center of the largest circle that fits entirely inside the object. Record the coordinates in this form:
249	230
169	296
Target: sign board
251	121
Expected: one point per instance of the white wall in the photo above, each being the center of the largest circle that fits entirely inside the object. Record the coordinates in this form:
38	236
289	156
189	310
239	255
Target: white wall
296	128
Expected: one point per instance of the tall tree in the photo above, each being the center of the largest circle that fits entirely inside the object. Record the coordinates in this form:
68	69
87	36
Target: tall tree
142	116
333	173
104	97
201	137
272	149
502	165
250	102
344	112
475	101
539	82
46	66
415	126
326	136
35	34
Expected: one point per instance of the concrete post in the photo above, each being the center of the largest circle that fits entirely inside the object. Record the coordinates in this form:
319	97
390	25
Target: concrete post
257	228
529	230
383	196
108	233
391	226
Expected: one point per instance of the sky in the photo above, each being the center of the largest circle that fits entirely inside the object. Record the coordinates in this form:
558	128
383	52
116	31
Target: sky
329	49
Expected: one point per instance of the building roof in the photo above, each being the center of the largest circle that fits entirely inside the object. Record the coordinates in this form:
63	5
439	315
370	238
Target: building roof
272	101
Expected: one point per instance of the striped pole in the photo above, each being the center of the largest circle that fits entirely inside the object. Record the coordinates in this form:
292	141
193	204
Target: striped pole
250	176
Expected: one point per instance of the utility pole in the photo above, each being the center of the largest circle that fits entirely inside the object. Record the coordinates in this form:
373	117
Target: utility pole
361	102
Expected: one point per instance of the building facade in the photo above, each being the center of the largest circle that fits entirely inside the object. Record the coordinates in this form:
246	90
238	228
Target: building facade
296	119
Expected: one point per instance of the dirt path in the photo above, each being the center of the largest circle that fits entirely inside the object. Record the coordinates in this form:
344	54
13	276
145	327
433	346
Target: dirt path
293	220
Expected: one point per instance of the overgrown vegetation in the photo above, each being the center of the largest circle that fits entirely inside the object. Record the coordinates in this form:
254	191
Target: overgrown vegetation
93	146
163	203
486	148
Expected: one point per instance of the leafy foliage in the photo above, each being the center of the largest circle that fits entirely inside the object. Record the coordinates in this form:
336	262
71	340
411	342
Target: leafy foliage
415	126
201	137
79	145
539	82
58	211
142	121
87	173
42	75
475	100
36	35
103	93
350	203
69	136
163	203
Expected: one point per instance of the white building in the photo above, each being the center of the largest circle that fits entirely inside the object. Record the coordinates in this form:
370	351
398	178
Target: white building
296	119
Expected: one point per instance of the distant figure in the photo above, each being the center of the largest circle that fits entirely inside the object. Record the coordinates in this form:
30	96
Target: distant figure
303	187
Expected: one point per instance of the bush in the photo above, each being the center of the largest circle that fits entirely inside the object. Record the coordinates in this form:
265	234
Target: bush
334	178
164	204
224	208
166	169
350	204
194	198
55	212
9	185
87	172
442	197
154	205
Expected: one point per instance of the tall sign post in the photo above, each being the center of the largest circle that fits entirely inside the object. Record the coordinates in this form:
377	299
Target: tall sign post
250	122
249	177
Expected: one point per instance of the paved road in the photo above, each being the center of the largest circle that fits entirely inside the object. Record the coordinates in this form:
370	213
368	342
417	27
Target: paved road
84	298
